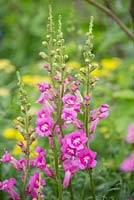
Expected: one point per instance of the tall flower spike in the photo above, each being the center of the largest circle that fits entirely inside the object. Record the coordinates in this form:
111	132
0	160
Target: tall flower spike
49	43
60	49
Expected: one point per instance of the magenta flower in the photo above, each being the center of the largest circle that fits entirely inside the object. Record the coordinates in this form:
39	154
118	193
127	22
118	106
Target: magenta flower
76	139
43	86
40	162
7	185
35	186
87	158
44	126
7	158
130	135
70	167
43	113
97	114
68	115
69	100
128	164
68	152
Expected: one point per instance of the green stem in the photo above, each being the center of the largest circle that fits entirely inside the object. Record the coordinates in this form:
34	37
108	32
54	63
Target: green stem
57	170
71	191
87	133
92	185
27	157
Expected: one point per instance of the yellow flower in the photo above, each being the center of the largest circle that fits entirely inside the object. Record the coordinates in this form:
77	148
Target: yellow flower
110	63
17	149
4	92
10	133
6	65
107	66
32	80
73	65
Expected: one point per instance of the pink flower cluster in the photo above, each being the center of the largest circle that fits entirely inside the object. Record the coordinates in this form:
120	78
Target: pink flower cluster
37	162
44	121
35	186
128	164
97	114
75	154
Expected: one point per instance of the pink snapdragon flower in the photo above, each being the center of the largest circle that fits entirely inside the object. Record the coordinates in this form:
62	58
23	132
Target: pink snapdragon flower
40	162
44	126
97	114
128	164
43	87
76	139
7	185
70	167
43	113
7	158
35	186
130	135
87	158
67	151
69	115
70	100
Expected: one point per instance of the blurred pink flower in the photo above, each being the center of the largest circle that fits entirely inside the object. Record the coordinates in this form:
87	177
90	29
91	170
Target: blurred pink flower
128	164
130	135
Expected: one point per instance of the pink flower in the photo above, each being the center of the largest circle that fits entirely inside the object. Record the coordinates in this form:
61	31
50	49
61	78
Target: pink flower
87	158
10	159
7	185
130	135
68	115
35	186
40	162
97	114
43	86
128	164
43	113
93	125
70	167
69	100
68	152
76	139
6	157
44	126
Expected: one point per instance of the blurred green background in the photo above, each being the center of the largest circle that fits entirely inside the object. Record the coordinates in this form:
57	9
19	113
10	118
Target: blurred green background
22	30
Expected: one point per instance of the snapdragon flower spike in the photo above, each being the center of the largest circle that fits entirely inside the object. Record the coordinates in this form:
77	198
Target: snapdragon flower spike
130	135
70	167
7	185
44	126
128	164
35	186
87	158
